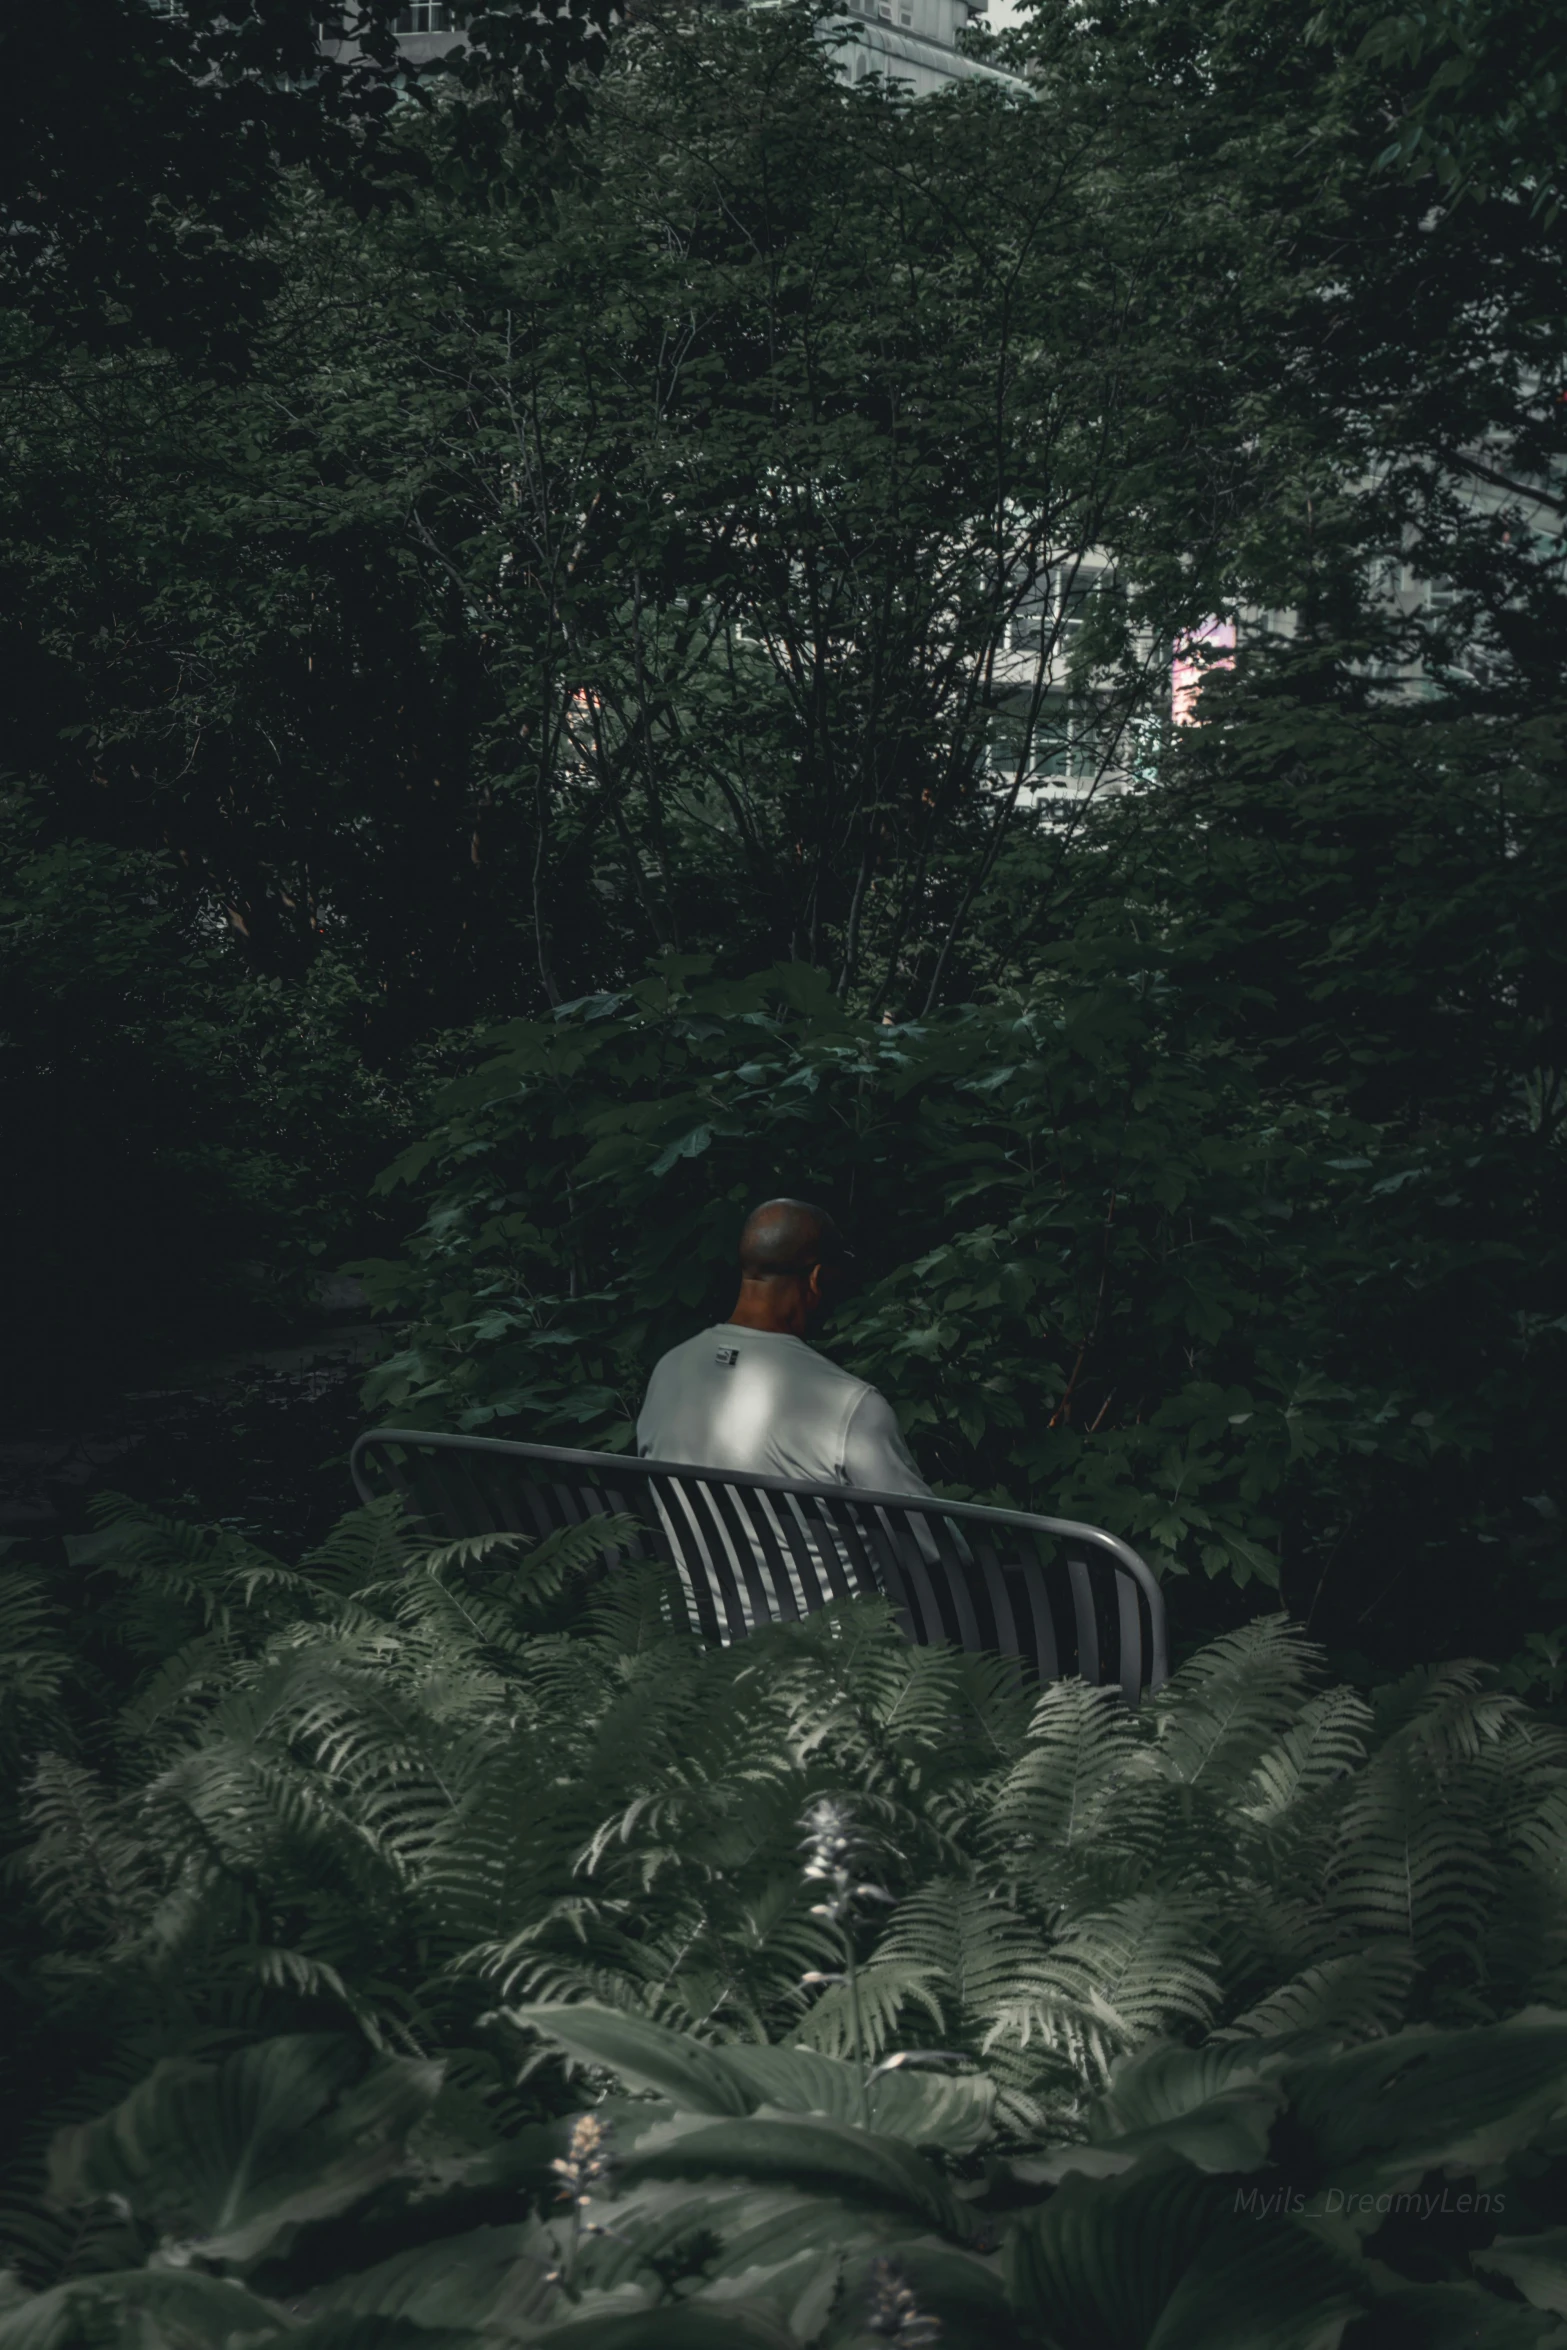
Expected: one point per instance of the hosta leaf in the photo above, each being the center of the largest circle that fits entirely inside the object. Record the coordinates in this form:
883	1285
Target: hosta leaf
1260	2285
688	2325
645	2056
1537	2265
177	2304
762	2245
1214	2105
1459	2317
921	2108
488	2278
1426	2101
228	2154
1095	2267
818	2155
1228	2132
960	2294
344	2329
927	2110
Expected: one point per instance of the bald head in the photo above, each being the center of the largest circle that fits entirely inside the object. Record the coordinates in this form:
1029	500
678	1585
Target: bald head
788	1236
789	1254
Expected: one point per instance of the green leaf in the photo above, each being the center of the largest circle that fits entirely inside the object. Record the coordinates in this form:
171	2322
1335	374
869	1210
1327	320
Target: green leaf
961	2295
821	2156
176	2304
1537	2265
922	2108
487	2279
1226	2130
1095	2267
645	2056
229	2154
930	2110
690	2325
1459	2317
1260	2284
690	1146
1425	2100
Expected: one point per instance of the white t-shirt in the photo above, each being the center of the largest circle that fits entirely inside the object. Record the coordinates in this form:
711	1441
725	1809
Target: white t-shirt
732	1398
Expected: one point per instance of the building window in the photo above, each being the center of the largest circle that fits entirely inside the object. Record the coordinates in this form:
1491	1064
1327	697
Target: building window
1059	747
1057	606
424	16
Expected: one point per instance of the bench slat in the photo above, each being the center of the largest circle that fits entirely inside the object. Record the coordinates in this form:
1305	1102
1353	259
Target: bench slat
752	1550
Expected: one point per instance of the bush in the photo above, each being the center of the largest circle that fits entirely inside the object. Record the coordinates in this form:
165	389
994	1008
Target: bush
1110	1272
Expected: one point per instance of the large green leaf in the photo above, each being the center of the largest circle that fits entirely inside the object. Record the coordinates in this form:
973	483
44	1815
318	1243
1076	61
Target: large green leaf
748	2226
1430	2100
961	2294
144	2304
817	2155
767	2246
688	2325
228	2154
1259	2284
346	2329
899	2103
490	2278
930	2110
1094	2268
1455	2317
1215	2105
1537	2265
644	2055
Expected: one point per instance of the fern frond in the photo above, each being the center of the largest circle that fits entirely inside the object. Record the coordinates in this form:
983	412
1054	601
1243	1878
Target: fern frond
1326	1743
91	1872
1233	1700
1109	1982
363	1548
1079	1742
33	1663
1358	1996
1413	1859
877	2016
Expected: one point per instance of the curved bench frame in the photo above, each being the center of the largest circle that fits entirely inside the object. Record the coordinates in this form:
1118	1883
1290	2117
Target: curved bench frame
752	1549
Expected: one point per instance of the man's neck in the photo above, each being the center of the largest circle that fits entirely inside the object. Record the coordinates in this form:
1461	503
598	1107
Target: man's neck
757	1309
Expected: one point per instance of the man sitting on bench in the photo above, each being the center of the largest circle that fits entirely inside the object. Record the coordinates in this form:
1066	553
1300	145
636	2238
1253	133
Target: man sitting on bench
750	1394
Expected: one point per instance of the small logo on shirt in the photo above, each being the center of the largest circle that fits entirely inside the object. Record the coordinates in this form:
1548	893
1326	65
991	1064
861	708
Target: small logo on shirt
728	1355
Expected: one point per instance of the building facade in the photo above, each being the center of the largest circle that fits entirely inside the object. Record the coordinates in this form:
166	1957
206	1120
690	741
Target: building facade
914	42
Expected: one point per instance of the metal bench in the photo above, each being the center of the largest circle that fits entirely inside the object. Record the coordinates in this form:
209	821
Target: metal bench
752	1550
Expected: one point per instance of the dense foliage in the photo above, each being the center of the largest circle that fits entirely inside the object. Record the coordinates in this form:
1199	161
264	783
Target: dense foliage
632	594
639	565
1098	1966
1116	1264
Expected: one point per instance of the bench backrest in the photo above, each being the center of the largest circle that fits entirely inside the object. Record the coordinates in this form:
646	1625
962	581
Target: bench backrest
1061	1597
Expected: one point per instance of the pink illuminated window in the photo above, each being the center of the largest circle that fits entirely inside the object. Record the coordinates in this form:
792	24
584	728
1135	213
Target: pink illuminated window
1211	645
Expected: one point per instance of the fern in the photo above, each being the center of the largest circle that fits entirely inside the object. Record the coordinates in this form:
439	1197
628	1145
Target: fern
399	1785
34	1664
1221	1712
1359	1996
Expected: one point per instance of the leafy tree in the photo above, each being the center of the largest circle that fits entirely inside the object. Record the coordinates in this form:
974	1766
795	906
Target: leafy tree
144	148
189	1138
566	584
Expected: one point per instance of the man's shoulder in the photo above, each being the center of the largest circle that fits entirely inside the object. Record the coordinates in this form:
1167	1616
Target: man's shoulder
730	1342
712	1336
